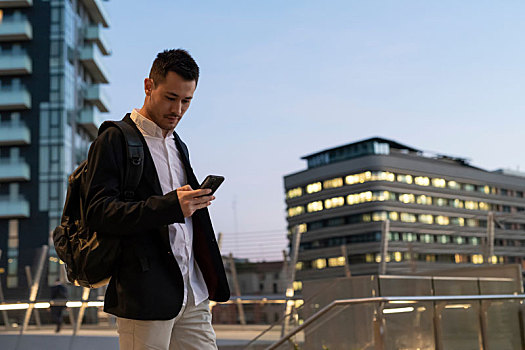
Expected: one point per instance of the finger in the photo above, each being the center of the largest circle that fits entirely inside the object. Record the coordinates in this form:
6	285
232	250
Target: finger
185	188
201	192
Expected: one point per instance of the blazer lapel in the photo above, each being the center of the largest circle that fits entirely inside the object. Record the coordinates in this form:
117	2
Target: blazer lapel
183	151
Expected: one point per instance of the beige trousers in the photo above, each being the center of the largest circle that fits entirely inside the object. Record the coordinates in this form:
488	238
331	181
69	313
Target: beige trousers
191	329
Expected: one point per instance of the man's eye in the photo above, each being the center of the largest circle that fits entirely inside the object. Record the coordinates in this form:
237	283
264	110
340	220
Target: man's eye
185	101
170	98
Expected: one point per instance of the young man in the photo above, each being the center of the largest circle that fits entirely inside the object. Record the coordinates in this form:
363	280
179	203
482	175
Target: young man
170	265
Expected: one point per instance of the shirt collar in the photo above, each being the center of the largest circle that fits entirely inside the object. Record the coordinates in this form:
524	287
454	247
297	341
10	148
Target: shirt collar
148	127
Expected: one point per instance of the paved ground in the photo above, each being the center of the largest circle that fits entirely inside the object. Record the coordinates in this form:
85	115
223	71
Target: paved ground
229	337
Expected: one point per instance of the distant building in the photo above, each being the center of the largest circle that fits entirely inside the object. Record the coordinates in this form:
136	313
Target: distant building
51	77
438	208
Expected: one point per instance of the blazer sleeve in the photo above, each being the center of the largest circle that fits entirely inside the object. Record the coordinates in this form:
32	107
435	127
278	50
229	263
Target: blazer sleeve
106	212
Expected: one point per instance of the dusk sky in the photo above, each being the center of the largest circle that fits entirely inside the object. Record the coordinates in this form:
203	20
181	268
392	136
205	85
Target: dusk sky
283	79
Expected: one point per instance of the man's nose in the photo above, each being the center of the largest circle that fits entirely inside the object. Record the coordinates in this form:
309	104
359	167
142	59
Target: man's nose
176	108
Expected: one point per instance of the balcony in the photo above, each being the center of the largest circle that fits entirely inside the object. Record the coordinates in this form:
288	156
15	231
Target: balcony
15	64
15	3
13	208
14	134
89	120
16	30
11	99
95	34
14	170
92	61
96	12
95	95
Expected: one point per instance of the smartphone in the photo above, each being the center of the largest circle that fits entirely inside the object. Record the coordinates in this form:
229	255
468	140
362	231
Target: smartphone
213	182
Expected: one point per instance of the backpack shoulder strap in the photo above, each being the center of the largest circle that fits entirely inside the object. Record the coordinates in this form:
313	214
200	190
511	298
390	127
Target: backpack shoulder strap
135	153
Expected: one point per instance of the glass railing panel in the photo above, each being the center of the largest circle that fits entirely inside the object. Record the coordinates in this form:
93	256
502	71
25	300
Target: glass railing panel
399	285
455	286
459	325
503	325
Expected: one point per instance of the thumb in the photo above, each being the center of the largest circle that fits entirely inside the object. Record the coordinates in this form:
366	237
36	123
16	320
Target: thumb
185	188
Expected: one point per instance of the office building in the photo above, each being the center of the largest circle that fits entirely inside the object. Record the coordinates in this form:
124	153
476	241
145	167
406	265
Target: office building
442	211
51	97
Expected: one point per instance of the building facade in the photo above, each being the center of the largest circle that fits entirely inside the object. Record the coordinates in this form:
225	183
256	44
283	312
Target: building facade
51	100
442	212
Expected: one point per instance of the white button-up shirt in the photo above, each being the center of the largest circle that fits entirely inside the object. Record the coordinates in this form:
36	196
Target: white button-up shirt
170	171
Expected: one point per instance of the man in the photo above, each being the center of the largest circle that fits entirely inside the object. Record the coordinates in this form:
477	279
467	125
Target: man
59	298
170	264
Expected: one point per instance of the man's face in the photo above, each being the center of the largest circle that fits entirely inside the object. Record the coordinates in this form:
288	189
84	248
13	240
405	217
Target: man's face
167	101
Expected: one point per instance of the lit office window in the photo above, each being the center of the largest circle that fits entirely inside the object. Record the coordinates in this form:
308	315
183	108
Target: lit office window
426	200
379	216
472	205
294	192
334	202
299	265
393	215
382	176
367	218
369	258
484	206
334	262
378	258
474	240
422	181
459	240
314	206
381	196
405	178
442	202
295	211
426	218
315	187
477	259
442	220
456	203
398	256
460	258
484	189
454	185
409	237
302	228
430	258
333	183
319	264
352	179
297	285
407	217
457	221
472	222
493	259
439	183
407	198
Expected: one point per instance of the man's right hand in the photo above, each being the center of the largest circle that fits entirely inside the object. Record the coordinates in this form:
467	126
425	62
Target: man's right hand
191	200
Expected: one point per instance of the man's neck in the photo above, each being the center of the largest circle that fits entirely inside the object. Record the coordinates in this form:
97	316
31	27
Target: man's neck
145	114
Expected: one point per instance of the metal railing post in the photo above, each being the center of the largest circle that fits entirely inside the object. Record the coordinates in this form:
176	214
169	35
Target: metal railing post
35	287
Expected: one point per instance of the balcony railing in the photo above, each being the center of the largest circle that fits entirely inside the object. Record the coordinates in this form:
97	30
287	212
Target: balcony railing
14	99
95	95
14	134
15	3
16	30
91	59
96	11
95	34
13	208
15	64
14	171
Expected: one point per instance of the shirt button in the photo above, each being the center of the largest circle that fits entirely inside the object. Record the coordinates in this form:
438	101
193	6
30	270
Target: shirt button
169	253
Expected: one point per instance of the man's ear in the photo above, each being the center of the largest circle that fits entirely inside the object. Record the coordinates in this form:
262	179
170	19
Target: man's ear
148	86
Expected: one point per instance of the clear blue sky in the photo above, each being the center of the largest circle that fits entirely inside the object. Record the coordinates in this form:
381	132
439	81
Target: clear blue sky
282	79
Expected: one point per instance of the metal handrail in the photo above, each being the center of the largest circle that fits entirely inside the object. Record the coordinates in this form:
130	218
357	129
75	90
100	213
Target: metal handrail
335	303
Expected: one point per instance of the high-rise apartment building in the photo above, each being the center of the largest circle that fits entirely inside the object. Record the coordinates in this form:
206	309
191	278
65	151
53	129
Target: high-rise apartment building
442	211
51	74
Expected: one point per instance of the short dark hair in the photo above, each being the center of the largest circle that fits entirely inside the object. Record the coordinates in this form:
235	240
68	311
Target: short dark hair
178	61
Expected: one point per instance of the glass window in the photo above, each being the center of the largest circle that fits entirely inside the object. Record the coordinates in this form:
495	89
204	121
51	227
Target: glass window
469	187
382	176
398	256
379	216
422	181
299	265
472	205
442	202
442	220
393	215
426	218
294	192
456	203
477	259
333	183
457	221
439	182
352	179
315	187
454	185
474	240
459	240
334	202
405	178
409	237
319	263
426	200
314	206
302	228
426	238
407	217
484	206
295	211
407	198
369	258
443	239
334	262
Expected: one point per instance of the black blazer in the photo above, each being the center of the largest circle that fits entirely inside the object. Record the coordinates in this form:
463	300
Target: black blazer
147	283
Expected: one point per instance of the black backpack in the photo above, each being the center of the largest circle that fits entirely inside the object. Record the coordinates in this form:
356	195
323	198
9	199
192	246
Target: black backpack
91	258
